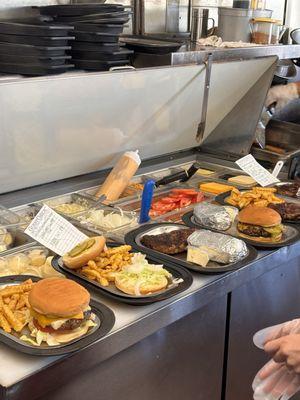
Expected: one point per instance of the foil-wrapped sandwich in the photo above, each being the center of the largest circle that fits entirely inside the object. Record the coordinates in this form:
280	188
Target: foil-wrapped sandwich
206	245
215	217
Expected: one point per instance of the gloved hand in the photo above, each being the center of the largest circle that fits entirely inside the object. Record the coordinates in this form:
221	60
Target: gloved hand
276	332
274	381
279	379
281	95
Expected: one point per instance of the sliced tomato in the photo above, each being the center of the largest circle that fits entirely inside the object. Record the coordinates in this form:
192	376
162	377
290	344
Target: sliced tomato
200	197
185	202
168	200
47	329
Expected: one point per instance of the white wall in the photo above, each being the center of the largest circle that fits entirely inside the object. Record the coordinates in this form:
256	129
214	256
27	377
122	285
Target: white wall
293	14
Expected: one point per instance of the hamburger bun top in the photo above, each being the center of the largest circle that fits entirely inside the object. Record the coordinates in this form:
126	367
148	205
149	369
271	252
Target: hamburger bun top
58	297
261	216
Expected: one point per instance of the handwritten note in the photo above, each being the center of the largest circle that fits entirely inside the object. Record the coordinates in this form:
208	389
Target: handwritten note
256	171
53	231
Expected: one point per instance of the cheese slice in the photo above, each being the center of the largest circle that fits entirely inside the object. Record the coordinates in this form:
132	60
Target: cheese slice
44	321
197	256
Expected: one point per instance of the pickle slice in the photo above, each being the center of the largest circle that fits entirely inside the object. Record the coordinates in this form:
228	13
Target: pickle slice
81	247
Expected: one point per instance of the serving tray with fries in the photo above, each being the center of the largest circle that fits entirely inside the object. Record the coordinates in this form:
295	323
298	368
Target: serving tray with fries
15	314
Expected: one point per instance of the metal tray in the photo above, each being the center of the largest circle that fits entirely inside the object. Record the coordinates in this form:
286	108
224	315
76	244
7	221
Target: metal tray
105	320
112	292
28	50
20	239
72	198
290	235
48	41
79	9
101	56
99	229
94	37
34	60
109	28
150	46
37	29
96	65
134	239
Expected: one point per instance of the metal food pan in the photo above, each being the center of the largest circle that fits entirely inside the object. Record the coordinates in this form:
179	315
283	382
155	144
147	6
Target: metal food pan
19	239
71	198
78	220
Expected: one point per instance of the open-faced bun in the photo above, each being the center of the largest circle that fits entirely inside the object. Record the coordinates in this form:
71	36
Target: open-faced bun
129	286
261	216
84	252
58	297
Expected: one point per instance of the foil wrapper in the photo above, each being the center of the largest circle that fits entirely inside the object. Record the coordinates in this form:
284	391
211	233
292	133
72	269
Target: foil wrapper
212	216
219	247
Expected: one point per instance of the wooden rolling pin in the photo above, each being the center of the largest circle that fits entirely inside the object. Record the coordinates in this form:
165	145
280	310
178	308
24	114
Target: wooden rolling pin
275	149
120	176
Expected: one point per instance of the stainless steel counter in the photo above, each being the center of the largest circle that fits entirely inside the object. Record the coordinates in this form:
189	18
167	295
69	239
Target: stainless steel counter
199	321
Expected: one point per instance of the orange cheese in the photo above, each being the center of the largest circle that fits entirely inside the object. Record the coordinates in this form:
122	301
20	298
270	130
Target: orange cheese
215	188
44	320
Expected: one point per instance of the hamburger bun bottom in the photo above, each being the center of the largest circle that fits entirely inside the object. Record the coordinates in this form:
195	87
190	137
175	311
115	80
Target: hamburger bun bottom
144	289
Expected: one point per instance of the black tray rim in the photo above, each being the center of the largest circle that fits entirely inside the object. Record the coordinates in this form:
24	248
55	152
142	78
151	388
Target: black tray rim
130	239
187	219
104	313
221	200
180	272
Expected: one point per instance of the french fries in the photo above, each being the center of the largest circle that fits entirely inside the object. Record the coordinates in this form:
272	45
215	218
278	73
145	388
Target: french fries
14	306
105	266
260	197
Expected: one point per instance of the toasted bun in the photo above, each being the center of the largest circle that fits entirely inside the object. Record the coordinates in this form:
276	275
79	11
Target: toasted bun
58	297
87	255
261	239
127	286
261	216
69	336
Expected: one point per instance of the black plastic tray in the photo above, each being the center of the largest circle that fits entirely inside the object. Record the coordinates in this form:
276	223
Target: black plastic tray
38	29
151	46
41	61
34	70
222	197
102	47
104	314
96	20
102	56
111	28
79	9
92	17
96	65
175	270
27	50
37	41
289	238
132	238
95	37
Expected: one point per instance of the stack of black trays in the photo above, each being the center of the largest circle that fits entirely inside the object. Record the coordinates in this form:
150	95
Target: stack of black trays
34	48
97	28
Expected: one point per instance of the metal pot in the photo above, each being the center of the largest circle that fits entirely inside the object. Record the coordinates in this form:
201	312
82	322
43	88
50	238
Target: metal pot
234	23
286	69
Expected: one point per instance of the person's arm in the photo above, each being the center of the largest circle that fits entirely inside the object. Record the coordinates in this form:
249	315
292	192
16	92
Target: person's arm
281	95
285	350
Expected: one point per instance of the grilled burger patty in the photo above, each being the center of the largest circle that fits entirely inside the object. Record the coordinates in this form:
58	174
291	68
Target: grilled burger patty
288	211
173	242
253	230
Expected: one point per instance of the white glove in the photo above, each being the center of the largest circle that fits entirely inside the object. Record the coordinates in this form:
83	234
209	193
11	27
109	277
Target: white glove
276	332
281	95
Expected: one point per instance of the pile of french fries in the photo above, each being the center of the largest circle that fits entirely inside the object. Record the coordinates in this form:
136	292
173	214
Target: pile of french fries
14	306
258	196
104	268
